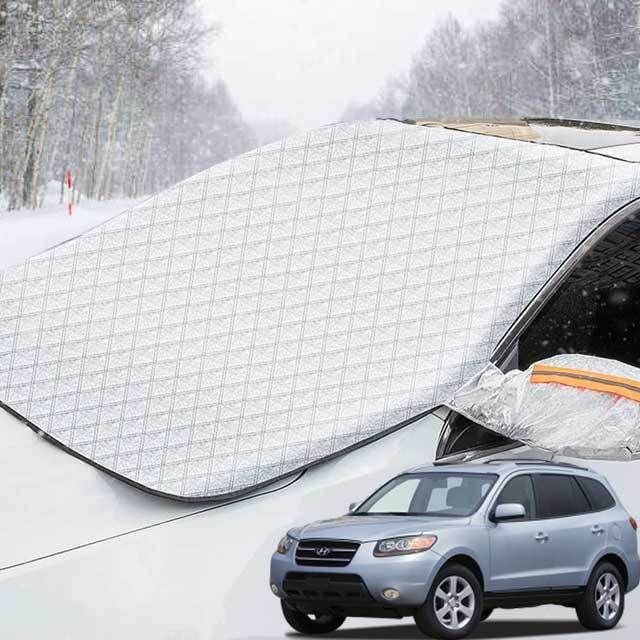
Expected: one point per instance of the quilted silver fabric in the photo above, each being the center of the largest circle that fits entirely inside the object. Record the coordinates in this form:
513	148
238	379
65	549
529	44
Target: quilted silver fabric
565	420
293	302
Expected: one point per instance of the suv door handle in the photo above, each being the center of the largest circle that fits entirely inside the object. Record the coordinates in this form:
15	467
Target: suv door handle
597	530
542	537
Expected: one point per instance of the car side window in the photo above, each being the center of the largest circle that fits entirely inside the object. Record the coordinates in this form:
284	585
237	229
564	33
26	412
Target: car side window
597	493
519	490
559	495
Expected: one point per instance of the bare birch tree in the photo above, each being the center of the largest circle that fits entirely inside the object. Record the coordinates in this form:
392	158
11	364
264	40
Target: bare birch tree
92	86
573	59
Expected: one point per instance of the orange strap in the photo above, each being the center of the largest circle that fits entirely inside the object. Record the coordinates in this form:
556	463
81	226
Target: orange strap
603	382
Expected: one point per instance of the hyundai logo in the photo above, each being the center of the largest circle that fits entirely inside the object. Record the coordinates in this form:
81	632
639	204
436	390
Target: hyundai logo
323	552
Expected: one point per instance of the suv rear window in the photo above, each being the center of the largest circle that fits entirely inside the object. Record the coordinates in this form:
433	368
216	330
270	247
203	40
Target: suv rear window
597	493
559	495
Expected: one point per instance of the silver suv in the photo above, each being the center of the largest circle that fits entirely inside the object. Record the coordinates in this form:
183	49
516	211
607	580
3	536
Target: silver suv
448	544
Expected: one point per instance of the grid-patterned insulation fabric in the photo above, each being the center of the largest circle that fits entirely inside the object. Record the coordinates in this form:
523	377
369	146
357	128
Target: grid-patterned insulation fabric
293	302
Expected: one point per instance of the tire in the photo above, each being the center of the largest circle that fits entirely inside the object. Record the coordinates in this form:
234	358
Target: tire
308	624
602	603
457	617
486	612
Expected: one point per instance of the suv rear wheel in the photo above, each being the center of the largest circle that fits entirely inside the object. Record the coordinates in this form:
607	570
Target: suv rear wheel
308	623
602	604
454	604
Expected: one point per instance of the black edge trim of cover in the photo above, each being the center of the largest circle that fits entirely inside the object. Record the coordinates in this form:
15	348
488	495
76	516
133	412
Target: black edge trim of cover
222	497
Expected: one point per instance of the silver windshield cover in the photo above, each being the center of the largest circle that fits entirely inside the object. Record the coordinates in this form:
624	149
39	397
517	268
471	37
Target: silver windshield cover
292	303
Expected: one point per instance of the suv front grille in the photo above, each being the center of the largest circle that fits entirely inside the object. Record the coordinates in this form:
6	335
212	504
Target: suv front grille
325	553
341	588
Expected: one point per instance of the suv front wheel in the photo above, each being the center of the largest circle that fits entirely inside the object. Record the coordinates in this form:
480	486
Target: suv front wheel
310	624
602	604
454	604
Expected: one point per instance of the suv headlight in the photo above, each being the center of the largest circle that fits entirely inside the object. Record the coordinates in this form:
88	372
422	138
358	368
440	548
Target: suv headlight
285	544
403	546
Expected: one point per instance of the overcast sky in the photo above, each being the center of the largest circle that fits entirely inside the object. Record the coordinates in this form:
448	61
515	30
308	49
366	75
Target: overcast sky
304	61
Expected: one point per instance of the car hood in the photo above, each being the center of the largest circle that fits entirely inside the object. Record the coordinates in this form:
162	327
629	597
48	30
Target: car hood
369	528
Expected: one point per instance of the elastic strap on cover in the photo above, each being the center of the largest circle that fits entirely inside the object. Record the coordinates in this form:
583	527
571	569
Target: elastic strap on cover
605	383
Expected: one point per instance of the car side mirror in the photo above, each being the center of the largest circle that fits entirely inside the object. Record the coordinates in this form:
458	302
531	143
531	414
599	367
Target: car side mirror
509	511
353	506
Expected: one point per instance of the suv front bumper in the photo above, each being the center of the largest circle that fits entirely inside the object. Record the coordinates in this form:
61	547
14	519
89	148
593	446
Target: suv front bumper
361	582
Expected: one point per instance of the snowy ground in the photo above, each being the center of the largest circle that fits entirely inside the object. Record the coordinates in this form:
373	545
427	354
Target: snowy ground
100	559
27	233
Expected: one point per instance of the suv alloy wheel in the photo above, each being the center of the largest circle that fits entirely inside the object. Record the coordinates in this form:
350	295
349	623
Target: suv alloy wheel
602	604
454	605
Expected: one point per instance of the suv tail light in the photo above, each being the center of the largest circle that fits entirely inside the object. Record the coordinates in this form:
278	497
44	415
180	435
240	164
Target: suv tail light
633	523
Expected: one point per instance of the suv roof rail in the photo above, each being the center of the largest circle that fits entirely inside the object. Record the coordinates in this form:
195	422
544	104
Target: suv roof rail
524	461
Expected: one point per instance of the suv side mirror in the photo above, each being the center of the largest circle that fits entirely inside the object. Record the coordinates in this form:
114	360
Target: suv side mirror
353	506
509	511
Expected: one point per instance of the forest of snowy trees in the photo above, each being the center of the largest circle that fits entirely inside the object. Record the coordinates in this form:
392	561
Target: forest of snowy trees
551	58
113	90
109	89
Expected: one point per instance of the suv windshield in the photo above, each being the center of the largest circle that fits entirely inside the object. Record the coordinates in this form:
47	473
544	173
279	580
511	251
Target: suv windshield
429	494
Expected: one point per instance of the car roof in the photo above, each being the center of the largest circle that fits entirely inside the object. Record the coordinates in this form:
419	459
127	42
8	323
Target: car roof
501	466
613	139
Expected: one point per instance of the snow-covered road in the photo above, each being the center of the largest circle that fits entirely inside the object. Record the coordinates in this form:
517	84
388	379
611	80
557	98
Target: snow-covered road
27	233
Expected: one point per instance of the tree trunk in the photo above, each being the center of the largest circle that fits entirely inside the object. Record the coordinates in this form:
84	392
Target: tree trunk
81	170
7	64
91	185
551	60
126	167
139	172
105	166
45	117
25	170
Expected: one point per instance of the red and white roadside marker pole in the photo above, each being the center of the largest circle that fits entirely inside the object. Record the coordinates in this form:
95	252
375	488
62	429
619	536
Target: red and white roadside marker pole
68	184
